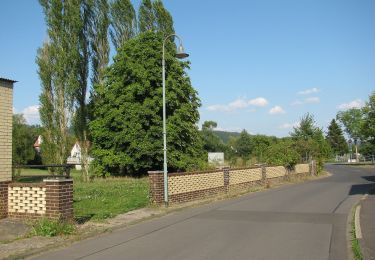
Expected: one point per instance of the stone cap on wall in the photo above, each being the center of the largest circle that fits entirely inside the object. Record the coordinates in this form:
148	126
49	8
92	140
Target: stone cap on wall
57	179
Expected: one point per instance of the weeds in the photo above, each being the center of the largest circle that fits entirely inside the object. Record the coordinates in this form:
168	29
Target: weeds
51	228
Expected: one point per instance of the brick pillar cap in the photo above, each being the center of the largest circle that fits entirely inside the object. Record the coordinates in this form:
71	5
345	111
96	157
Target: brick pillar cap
155	172
57	179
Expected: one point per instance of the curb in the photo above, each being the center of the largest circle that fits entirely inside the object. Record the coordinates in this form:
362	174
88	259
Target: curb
357	222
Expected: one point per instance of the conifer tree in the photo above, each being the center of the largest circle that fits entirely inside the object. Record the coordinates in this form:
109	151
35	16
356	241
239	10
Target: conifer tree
336	138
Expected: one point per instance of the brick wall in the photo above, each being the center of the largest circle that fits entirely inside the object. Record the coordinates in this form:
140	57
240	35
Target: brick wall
26	199
190	186
51	199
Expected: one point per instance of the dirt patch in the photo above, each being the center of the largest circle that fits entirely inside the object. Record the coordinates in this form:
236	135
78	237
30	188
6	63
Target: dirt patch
12	229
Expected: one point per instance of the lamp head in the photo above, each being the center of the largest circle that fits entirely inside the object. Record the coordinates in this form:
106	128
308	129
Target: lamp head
181	54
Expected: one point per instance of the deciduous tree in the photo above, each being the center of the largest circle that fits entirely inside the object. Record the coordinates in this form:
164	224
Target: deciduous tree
123	22
127	129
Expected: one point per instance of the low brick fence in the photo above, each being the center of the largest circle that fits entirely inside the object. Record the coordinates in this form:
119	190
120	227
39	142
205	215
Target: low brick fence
53	198
188	186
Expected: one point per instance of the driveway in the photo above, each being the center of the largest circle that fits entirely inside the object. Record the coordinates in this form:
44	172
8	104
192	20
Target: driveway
297	221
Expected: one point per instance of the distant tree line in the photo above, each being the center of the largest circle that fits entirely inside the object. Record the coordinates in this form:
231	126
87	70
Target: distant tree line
306	141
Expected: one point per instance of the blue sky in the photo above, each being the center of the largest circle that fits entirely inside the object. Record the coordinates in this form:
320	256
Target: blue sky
257	65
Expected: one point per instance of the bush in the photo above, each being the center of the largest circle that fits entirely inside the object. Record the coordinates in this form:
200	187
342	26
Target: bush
283	153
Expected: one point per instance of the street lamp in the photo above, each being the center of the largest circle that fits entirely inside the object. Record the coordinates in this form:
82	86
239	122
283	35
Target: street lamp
180	54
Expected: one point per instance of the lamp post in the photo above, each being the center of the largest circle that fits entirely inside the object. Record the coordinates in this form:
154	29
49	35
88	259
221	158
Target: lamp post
180	54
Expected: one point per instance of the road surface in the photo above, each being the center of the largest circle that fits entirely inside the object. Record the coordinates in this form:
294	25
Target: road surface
297	221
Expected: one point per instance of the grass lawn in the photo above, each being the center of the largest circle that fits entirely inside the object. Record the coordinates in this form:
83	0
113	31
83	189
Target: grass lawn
106	198
101	198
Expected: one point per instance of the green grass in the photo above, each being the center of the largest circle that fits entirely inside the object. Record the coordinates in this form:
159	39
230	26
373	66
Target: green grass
355	243
100	198
51	228
106	198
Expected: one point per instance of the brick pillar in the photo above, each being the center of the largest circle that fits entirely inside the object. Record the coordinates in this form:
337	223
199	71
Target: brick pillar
226	178
6	113
4	199
264	175
312	167
156	180
59	198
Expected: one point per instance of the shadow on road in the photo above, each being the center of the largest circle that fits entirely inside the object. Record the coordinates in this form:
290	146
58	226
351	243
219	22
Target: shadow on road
364	188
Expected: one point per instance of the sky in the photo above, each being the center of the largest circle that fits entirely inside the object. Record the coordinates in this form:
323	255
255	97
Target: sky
258	65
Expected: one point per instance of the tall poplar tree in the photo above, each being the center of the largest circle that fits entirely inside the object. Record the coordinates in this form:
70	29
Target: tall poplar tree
163	19
99	37
83	27
63	24
48	106
123	22
154	17
64	69
146	17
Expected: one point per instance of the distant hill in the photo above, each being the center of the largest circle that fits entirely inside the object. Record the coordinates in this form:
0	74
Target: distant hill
223	135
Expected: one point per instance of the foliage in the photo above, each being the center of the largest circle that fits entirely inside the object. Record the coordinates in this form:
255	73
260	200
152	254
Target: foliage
23	140
211	142
105	198
310	141
352	122
163	19
336	139
260	144
154	17
283	153
50	228
360	124
60	69
146	20
100	45
123	22
368	125
243	145
226	136
127	129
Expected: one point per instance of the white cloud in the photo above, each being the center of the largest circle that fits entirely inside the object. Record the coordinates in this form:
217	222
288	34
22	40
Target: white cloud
357	103
312	100
308	91
276	110
297	103
240	103
259	102
309	100
31	114
289	125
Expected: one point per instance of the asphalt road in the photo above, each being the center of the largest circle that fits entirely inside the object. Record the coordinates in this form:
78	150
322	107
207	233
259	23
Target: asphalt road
300	221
